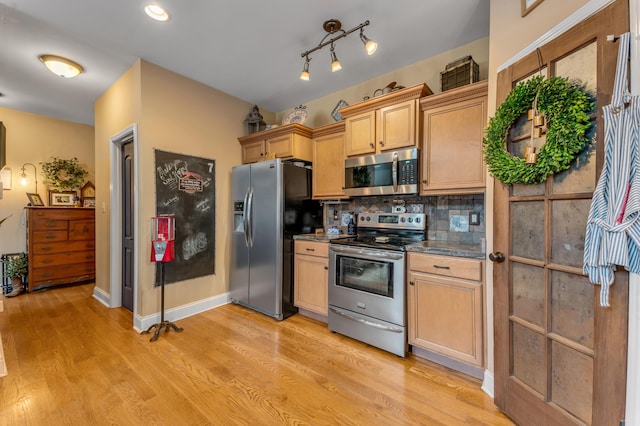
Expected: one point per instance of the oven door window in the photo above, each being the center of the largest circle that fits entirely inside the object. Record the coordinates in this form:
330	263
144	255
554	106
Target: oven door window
371	276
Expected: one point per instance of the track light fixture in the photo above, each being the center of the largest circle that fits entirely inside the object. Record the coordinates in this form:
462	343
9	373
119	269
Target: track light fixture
334	29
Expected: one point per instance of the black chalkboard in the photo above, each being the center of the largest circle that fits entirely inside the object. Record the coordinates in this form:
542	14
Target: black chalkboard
185	187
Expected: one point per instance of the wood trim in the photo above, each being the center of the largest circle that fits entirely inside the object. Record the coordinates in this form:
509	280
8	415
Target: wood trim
329	129
470	91
415	92
288	129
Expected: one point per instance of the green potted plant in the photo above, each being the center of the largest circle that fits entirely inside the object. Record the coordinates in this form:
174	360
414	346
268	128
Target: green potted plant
16	268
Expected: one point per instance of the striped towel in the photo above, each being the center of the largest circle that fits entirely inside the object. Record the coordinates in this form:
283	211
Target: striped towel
613	230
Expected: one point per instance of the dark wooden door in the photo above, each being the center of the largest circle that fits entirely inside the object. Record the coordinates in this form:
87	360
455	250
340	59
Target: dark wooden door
560	358
127	226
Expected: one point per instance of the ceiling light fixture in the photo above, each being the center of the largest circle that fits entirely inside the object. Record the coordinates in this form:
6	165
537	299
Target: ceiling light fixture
156	12
60	66
334	29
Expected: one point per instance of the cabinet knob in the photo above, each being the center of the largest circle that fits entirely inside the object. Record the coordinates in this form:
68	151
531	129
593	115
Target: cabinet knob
424	181
372	145
381	143
262	154
326	268
410	282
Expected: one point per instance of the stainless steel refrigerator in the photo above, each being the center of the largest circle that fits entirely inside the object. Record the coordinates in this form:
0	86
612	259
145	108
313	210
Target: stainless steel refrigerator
271	203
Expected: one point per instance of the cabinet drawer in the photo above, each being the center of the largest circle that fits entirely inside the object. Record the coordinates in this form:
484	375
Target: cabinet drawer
46	224
449	266
312	248
63	213
55	259
81	230
62	247
61	274
49	236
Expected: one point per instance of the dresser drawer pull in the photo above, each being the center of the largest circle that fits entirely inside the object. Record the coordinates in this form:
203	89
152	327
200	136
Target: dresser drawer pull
46	274
310	249
46	261
50	236
50	224
89	256
46	248
441	267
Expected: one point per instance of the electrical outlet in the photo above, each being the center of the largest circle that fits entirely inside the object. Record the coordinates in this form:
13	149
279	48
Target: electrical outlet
474	218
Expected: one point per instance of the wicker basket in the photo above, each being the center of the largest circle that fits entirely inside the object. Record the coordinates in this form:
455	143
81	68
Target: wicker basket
458	73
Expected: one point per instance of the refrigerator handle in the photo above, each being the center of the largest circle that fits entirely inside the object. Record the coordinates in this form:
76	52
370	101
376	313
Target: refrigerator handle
245	217
394	171
249	218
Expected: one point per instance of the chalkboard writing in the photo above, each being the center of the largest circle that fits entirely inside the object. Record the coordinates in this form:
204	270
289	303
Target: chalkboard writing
185	187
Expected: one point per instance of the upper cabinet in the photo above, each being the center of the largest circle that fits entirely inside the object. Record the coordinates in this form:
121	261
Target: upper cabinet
328	161
384	123
453	125
287	142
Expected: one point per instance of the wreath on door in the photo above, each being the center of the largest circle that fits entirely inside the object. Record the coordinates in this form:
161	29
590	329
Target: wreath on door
566	107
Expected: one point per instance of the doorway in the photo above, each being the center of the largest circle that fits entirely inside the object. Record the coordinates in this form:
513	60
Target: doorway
123	212
559	357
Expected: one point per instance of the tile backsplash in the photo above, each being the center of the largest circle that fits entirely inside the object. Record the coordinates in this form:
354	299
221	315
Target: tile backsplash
455	218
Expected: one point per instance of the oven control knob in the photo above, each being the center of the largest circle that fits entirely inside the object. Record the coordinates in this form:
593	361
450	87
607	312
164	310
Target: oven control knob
417	220
361	218
402	219
410	219
368	218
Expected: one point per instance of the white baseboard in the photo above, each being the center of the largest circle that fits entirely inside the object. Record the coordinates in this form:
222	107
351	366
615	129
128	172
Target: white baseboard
174	314
487	383
101	296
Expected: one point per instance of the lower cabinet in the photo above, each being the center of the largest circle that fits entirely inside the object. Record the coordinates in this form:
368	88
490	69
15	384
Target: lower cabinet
311	276
445	308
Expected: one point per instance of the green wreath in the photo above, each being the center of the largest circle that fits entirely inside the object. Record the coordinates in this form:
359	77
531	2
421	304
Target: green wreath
566	107
63	174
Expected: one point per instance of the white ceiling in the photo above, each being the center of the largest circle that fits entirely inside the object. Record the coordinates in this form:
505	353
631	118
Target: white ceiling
247	48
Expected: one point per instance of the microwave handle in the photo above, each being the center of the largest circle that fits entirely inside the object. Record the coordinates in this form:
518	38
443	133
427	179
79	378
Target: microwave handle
394	171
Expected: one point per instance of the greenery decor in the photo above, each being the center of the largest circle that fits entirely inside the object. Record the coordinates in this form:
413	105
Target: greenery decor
17	266
566	107
63	174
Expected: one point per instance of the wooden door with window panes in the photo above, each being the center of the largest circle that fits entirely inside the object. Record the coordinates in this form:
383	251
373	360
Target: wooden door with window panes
560	358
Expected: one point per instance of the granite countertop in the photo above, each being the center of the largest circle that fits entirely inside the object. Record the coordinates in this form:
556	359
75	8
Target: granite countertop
447	248
318	237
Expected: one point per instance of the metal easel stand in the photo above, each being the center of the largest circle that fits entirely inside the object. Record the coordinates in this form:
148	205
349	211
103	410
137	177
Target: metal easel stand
162	324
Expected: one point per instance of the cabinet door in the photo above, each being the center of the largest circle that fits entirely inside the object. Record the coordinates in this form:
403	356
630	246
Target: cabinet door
328	166
360	134
281	146
311	275
445	316
453	133
252	152
396	126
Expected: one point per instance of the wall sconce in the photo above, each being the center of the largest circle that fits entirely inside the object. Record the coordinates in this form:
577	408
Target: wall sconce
334	28
60	66
23	176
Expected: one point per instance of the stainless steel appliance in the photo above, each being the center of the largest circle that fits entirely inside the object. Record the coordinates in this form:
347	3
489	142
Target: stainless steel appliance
271	203
389	173
367	297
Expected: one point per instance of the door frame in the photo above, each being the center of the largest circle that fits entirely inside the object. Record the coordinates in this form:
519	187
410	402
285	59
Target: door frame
129	134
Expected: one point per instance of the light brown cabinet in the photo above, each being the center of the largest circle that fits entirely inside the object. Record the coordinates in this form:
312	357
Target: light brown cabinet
311	276
60	245
328	161
292	141
453	126
385	122
445	307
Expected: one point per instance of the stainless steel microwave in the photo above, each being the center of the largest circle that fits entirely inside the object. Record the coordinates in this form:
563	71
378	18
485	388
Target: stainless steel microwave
389	173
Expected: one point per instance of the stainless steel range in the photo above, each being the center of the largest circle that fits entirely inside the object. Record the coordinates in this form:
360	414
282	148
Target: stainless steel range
367	298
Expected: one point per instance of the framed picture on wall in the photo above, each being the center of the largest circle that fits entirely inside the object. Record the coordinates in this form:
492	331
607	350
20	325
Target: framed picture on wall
61	198
529	5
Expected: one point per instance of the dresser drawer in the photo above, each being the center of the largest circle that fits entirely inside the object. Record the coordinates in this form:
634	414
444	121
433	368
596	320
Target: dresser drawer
48	236
61	274
62	213
55	259
62	247
46	224
469	269
81	230
312	248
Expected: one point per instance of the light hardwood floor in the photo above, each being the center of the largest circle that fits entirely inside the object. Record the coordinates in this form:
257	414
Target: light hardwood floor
72	361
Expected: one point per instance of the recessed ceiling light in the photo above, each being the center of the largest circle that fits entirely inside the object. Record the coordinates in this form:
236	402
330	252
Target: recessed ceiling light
60	66
156	12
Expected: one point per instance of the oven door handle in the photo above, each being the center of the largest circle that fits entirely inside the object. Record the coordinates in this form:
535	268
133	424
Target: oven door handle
369	323
386	255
